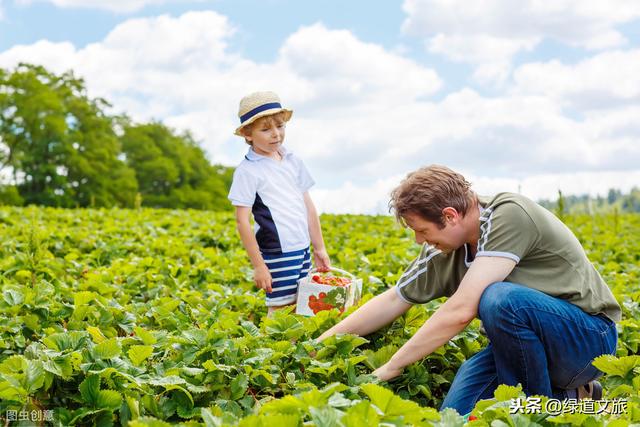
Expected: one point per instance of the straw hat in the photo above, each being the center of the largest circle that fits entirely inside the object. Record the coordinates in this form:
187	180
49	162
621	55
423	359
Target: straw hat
259	104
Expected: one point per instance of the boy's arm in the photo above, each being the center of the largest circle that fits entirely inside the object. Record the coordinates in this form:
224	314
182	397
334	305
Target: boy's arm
320	255
261	274
376	313
451	317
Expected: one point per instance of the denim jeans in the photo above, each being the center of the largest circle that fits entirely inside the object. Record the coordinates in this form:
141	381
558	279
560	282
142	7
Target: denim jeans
544	343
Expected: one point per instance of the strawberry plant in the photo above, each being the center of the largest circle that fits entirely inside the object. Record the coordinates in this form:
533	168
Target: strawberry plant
150	317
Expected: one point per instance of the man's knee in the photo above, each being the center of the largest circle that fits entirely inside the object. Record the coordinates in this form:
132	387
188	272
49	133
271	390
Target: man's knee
495	299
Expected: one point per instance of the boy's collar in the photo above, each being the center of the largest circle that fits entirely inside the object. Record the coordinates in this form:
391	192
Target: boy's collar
254	157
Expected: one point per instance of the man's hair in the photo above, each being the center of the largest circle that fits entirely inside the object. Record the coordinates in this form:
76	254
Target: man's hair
427	191
277	119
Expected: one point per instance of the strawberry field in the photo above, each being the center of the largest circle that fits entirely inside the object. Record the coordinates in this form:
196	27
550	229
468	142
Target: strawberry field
150	318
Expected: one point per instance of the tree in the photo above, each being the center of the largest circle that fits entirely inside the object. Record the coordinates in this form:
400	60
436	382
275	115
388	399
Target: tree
172	170
58	144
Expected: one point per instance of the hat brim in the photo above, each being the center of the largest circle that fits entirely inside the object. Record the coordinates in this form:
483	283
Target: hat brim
287	117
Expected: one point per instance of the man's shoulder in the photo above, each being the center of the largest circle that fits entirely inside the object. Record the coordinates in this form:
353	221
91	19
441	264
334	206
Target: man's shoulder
508	204
506	197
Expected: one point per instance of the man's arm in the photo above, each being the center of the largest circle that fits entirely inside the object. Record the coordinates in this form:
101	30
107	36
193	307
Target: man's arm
261	274
321	258
451	317
376	313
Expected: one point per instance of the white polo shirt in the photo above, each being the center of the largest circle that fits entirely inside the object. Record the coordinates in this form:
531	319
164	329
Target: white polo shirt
274	190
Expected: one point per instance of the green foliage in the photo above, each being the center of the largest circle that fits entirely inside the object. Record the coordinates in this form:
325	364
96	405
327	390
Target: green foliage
172	170
586	204
9	195
150	317
59	147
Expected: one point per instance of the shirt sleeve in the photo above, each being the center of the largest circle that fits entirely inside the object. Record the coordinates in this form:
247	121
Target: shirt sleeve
243	188
506	231
304	179
419	284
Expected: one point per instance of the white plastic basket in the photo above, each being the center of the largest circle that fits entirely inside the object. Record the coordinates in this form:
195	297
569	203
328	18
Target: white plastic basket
314	297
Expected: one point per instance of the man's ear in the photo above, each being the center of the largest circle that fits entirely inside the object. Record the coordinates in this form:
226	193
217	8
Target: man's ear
450	215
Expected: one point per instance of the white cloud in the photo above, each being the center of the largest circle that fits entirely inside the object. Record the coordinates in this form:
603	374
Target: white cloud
365	116
180	70
355	199
489	33
344	71
118	6
606	80
374	199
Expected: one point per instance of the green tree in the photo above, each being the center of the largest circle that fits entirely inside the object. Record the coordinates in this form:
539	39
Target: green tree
172	169
58	144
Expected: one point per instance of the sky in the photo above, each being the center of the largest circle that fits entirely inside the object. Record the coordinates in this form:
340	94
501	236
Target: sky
529	96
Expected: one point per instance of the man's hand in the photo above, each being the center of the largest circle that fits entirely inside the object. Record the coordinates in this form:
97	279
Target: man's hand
321	260
386	372
262	277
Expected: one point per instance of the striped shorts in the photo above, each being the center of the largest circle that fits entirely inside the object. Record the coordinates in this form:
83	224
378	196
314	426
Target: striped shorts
286	269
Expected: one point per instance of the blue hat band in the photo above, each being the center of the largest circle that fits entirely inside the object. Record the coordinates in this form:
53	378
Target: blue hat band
259	109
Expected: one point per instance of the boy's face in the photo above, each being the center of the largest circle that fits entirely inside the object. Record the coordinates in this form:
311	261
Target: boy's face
266	136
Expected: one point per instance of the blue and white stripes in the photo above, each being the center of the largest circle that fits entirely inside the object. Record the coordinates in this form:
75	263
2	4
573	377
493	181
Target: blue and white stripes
286	270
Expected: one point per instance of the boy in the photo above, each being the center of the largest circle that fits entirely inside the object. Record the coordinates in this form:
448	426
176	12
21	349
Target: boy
273	183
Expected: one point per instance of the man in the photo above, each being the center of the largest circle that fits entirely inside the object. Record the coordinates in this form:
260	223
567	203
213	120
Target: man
510	262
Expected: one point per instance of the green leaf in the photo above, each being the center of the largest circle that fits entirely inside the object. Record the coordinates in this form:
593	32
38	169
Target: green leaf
612	365
74	340
325	416
209	419
139	353
271	420
168	380
284	405
361	415
148	422
239	386
33	376
450	418
63	366
89	389
24	374
108	399
506	392
8	392
146	336
96	334
390	404
250	328
13	297
83	297
379	357
107	349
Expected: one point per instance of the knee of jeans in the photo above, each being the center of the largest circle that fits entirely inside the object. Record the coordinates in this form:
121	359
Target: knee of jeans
495	298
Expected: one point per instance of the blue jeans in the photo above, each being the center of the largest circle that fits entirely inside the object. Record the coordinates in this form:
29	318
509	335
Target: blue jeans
544	343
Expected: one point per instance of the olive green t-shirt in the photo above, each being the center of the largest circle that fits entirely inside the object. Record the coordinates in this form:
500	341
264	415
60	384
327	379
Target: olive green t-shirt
548	258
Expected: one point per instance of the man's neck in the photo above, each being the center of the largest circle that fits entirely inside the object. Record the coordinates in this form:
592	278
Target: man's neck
473	226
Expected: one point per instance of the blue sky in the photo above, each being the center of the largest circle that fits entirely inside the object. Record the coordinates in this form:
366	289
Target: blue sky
530	96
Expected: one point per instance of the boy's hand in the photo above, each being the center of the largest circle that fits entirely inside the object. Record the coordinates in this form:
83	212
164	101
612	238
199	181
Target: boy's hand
262	277
321	260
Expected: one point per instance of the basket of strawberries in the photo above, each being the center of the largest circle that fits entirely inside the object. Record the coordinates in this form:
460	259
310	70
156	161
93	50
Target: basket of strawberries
325	291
